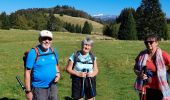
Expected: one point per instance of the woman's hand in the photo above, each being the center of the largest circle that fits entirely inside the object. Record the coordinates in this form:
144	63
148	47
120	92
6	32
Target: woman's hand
82	74
141	74
90	74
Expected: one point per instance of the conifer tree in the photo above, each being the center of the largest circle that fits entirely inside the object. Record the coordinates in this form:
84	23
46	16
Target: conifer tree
87	28
127	29
5	24
151	20
54	24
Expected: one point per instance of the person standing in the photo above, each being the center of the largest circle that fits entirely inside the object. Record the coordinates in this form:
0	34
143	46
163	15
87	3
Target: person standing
82	66
150	68
41	70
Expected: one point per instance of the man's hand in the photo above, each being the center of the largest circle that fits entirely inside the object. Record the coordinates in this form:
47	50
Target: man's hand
29	96
57	78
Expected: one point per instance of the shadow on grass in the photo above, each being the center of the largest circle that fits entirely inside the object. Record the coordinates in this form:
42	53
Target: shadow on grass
67	98
5	98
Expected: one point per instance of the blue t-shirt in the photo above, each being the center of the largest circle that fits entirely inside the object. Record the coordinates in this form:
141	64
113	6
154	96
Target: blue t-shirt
44	69
79	66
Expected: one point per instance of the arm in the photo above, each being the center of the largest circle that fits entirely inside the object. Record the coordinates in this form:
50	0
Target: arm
69	69
95	70
27	80
57	74
137	72
166	58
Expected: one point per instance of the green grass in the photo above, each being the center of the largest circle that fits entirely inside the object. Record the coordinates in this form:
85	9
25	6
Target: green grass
115	61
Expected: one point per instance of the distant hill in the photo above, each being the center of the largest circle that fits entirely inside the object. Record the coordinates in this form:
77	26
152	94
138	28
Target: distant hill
97	27
66	10
105	17
66	14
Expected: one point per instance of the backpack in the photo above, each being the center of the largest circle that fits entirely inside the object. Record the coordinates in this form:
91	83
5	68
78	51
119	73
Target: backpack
37	54
76	59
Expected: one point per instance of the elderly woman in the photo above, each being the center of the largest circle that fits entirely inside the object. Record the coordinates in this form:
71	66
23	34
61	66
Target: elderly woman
83	68
150	68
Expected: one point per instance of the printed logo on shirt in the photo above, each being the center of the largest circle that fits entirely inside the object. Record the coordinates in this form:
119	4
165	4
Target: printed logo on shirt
53	57
43	59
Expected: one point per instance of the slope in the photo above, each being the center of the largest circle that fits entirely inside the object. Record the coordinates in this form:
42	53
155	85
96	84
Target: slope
97	27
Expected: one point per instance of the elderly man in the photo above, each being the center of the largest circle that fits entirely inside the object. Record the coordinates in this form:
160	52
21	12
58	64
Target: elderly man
42	70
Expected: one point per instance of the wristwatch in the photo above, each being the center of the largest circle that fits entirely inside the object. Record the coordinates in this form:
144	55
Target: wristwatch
27	91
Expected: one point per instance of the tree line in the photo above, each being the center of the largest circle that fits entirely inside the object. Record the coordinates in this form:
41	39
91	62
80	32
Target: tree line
39	20
133	24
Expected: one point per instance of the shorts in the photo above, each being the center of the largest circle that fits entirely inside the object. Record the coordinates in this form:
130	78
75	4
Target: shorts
45	93
77	87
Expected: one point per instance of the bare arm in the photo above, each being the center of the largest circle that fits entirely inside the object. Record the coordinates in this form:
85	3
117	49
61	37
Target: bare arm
95	70
69	69
27	80
58	74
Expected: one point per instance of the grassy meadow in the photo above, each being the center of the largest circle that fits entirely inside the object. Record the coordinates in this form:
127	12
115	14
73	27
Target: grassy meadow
115	61
97	27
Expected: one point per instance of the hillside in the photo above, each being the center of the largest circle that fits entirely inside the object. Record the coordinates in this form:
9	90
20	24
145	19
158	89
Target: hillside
97	27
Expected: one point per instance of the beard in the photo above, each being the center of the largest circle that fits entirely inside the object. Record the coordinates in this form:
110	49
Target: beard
46	45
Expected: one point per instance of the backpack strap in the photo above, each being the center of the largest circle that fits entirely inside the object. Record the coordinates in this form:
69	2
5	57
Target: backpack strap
76	54
92	56
37	53
76	59
52	49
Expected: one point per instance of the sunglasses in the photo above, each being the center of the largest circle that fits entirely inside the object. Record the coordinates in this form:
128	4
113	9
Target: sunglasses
46	38
150	42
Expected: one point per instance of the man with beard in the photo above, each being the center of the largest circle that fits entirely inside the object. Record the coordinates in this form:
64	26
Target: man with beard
41	70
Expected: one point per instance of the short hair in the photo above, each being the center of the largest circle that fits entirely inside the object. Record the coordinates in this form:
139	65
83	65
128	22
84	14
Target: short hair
87	40
152	36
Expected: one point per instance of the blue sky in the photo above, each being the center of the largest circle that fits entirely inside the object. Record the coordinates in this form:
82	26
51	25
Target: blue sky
92	7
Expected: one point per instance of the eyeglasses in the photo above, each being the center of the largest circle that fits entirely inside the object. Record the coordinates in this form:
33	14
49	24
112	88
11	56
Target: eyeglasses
46	38
150	42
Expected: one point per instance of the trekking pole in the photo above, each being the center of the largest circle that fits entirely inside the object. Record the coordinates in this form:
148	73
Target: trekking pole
20	83
91	86
82	93
143	95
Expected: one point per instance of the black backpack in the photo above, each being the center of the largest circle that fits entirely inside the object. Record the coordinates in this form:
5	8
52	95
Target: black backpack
76	59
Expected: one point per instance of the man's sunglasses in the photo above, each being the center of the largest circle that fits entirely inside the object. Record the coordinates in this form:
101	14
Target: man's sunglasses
150	42
46	38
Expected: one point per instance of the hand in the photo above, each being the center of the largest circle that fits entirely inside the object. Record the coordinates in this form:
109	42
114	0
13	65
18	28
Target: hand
57	78
82	74
144	77
90	74
29	96
139	73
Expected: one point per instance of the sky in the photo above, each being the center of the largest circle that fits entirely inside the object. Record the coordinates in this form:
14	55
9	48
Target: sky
92	7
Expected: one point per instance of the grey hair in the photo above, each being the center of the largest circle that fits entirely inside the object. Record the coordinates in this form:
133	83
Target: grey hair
87	40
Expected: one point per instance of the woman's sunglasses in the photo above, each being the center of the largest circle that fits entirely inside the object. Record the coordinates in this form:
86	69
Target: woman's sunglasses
150	42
